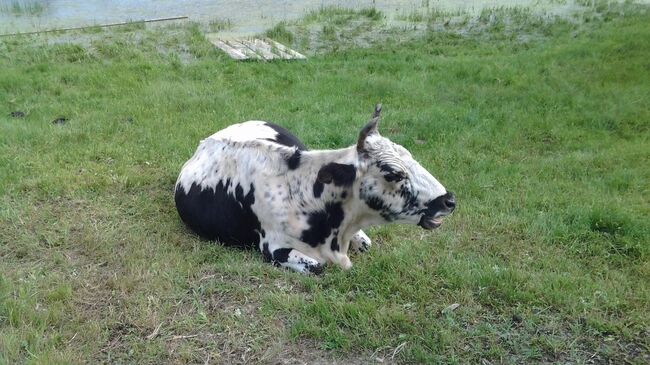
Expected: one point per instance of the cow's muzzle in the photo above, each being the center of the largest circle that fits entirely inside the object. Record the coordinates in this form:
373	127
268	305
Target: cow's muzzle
436	209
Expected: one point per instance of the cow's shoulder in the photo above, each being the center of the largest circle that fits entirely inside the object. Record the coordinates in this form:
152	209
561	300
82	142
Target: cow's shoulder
284	137
265	135
261	131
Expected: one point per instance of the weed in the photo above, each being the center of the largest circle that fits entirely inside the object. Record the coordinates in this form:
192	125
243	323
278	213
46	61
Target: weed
217	25
280	33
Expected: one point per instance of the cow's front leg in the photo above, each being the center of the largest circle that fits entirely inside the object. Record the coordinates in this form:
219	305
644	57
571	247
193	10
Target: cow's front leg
360	242
291	258
297	261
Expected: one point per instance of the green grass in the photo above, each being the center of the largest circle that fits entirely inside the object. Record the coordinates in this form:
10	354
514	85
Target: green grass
332	28
544	140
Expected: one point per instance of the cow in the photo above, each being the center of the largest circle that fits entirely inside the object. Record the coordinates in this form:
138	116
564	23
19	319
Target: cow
254	184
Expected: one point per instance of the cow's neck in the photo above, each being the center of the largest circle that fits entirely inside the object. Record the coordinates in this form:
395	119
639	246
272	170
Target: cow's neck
318	158
357	214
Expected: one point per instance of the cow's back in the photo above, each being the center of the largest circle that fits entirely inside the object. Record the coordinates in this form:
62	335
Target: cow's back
215	191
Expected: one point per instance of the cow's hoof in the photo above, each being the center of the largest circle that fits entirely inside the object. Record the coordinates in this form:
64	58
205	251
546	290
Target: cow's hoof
360	242
345	263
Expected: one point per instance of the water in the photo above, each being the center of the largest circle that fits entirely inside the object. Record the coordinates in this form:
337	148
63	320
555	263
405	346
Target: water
247	16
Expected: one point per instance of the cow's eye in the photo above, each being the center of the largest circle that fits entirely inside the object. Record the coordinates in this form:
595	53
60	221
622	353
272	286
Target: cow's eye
395	176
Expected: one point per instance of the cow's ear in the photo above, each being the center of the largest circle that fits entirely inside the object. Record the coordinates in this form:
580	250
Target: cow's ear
369	129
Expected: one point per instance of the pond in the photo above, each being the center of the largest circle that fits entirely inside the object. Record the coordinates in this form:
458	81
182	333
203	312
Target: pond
247	16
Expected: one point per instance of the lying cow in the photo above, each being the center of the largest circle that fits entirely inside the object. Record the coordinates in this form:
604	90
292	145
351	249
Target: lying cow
255	184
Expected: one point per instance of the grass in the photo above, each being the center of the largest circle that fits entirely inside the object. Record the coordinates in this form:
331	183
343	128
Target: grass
330	29
217	25
544	140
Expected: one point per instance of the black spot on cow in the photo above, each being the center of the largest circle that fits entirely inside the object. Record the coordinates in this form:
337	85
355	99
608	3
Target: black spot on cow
318	189
315	269
384	167
339	174
378	204
334	245
266	253
411	204
294	161
391	174
285	137
394	176
214	214
344	195
281	255
321	224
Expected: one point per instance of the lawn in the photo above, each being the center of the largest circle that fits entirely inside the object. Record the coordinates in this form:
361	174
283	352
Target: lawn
539	126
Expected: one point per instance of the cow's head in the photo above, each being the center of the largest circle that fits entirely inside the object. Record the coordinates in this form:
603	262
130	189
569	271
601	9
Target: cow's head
395	186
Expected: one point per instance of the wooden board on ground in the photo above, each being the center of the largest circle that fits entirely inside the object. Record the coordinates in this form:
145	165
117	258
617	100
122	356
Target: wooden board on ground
254	49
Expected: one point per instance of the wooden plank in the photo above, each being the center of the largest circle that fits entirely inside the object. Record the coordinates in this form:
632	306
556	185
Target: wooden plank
232	52
259	47
273	49
254	49
270	51
287	50
236	44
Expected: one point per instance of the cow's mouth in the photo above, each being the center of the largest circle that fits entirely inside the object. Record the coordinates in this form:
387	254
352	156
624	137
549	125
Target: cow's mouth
429	222
436	209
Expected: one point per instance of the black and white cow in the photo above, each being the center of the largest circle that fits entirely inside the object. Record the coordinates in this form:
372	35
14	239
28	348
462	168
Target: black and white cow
254	184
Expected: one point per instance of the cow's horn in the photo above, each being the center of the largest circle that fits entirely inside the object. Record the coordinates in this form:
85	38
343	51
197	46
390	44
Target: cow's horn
369	128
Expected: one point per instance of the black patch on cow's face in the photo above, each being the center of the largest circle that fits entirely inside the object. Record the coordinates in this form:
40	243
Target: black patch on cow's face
285	137
377	203
440	206
390	173
380	196
443	204
339	174
321	224
411	203
294	161
395	176
214	214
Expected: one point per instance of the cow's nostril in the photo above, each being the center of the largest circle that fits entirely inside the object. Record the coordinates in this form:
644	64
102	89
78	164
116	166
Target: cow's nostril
450	202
